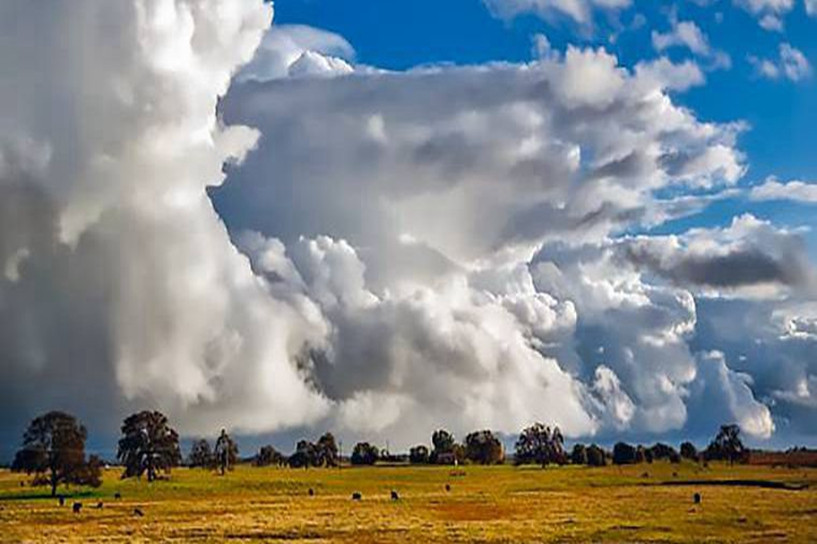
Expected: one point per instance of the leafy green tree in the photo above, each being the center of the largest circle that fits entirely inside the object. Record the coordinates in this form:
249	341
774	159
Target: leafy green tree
689	451
148	445
54	452
596	457
484	448
201	455
225	452
419	455
727	445
579	455
541	445
443	443
305	455
327	451
624	454
268	456
364	454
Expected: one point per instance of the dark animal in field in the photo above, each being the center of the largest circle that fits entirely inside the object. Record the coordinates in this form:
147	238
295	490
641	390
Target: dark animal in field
395	496
645	475
447	487
311	492
674	474
62	500
77	507
117	495
22	484
696	498
138	512
99	505
356	496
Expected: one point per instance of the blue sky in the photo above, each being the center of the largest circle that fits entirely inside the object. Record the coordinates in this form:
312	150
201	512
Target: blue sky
781	114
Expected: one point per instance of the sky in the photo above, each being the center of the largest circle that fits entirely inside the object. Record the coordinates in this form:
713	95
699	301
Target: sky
381	219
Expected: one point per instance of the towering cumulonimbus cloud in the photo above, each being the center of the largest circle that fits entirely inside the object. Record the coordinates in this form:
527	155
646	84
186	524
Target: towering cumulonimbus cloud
120	279
390	252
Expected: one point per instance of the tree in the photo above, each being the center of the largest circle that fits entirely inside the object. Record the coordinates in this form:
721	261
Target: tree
305	455
268	456
201	456
364	454
148	445
225	452
624	454
327	451
596	457
484	448
418	455
663	452
727	445
688	451
443	443
54	452
541	445
579	455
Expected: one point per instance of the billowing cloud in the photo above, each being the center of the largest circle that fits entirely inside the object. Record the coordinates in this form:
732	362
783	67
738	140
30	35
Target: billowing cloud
121	284
380	253
795	190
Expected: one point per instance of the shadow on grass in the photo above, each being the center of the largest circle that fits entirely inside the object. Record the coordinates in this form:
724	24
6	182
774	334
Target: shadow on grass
47	496
765	484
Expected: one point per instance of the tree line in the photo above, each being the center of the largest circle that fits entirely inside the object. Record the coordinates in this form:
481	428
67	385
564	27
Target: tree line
53	451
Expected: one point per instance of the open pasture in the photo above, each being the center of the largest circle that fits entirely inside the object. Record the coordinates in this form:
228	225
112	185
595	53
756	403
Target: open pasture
644	503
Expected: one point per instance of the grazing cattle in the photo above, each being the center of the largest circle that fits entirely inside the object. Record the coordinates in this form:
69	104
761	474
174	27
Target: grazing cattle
99	505
356	496
696	498
645	475
138	512
22	484
395	496
62	500
674	474
311	492
117	495
447	487
77	507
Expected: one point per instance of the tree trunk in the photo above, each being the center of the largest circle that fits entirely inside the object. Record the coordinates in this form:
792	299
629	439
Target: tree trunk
53	482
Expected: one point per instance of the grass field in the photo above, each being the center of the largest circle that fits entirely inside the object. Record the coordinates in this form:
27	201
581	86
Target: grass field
486	504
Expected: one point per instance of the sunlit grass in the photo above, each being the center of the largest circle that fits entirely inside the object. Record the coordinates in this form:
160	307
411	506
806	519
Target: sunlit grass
488	504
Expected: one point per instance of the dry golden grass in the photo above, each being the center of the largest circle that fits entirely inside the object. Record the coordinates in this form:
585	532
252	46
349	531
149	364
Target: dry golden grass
488	504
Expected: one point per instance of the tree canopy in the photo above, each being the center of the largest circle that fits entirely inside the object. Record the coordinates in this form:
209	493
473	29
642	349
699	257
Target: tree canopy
148	445
541	445
54	452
